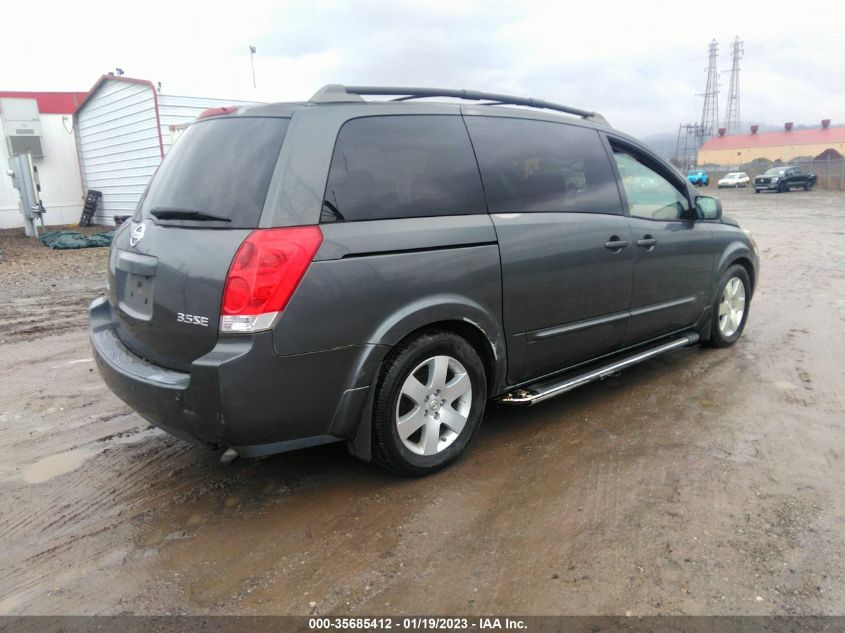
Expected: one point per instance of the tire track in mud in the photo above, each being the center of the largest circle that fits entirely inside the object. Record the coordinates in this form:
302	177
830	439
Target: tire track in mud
103	494
55	405
27	318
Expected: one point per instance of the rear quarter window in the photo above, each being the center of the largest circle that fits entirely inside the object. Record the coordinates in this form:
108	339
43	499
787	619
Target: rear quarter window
402	166
220	167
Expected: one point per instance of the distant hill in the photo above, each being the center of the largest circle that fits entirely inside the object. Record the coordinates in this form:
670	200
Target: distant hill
663	143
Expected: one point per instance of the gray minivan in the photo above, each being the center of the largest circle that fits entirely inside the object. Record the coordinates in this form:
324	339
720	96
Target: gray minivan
375	271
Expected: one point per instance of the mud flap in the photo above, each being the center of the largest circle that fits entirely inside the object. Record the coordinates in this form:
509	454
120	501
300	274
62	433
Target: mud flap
706	325
361	446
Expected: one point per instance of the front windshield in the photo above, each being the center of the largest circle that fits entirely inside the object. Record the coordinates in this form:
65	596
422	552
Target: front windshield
776	171
733	176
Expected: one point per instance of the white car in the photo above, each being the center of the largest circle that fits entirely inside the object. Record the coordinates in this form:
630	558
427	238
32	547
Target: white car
735	179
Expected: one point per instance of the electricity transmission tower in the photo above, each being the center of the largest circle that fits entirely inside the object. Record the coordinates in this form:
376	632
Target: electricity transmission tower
732	120
710	112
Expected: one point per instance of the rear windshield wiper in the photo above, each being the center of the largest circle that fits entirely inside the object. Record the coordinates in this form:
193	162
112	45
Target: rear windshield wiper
172	213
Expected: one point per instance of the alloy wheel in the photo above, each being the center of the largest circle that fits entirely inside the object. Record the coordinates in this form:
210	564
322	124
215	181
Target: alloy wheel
731	307
434	405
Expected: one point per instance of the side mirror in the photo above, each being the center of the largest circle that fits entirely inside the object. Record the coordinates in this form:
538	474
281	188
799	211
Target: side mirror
708	208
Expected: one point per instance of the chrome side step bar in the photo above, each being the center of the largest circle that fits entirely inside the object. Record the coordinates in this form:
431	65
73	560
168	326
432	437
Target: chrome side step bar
543	390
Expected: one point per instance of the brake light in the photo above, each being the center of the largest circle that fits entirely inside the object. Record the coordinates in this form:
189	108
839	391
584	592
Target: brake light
264	274
217	111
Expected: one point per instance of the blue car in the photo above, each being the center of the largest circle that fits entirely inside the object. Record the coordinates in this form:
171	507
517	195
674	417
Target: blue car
698	177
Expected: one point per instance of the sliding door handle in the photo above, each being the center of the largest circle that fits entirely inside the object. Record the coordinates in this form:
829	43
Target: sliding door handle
615	244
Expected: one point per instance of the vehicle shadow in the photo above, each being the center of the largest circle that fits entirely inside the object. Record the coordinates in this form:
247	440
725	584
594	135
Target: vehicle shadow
612	402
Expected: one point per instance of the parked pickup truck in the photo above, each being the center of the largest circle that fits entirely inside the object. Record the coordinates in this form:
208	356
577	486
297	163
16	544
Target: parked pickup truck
782	179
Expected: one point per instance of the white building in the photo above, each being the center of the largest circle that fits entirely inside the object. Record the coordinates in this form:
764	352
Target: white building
58	168
123	129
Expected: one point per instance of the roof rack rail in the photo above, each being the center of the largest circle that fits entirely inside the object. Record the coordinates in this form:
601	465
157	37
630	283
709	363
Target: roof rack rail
338	92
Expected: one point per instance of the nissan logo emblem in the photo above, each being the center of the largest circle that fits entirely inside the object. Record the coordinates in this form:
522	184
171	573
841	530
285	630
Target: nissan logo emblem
137	234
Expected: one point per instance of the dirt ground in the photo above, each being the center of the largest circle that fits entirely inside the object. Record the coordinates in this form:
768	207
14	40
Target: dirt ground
49	289
703	482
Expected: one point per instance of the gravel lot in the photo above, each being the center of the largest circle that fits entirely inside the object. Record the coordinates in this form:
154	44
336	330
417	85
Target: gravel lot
703	482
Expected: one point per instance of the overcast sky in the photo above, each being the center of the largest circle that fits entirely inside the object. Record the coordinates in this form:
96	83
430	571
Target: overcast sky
639	63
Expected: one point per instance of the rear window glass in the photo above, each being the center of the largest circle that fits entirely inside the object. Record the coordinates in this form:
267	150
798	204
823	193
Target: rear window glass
219	167
540	166
402	166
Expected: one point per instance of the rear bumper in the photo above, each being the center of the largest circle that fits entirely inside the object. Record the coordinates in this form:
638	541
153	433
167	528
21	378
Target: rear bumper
242	394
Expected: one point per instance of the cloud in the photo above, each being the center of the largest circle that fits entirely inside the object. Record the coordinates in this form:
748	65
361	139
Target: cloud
641	64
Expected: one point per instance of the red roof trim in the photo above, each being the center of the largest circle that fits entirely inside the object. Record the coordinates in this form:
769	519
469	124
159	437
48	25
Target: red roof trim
49	102
104	78
815	136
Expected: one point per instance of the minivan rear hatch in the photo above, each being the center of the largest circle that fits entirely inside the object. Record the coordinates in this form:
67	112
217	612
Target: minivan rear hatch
168	267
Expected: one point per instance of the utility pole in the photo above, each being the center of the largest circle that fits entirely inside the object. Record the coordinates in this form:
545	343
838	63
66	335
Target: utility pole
686	147
710	111
732	116
252	62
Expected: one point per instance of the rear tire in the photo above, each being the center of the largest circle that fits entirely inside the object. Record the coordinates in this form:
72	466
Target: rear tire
730	307
428	403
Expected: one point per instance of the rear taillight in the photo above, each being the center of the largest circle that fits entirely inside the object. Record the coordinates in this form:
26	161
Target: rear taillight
264	275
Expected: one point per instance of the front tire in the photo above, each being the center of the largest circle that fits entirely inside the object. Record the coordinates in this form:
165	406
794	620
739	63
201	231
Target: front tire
428	403
730	307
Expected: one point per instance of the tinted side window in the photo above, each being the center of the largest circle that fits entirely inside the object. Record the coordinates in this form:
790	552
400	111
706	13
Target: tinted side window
649	194
220	167
539	166
402	166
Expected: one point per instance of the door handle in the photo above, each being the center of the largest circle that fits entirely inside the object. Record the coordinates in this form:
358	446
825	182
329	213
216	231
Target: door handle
615	244
647	242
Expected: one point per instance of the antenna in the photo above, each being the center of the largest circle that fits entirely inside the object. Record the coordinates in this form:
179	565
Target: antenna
710	111
732	116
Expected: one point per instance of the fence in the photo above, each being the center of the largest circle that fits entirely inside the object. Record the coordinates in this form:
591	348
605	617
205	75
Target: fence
830	172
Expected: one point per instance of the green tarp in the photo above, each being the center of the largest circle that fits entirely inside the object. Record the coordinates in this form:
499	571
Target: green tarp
64	240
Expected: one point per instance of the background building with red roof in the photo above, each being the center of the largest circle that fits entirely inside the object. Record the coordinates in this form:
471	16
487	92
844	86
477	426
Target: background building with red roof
784	145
